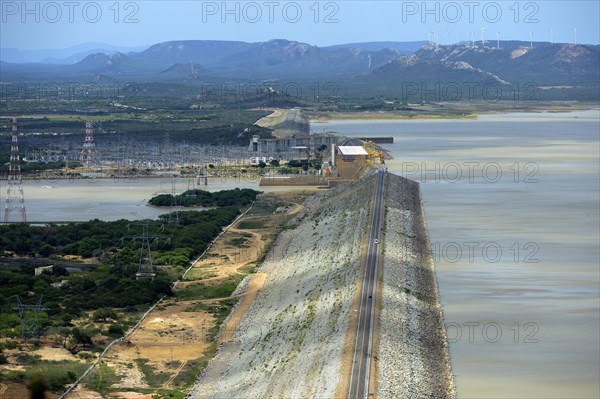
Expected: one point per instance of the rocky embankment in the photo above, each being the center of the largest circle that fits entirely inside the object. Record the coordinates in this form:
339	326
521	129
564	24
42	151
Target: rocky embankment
289	343
413	350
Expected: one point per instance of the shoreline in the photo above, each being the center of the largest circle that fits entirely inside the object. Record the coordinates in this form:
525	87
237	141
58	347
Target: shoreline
453	111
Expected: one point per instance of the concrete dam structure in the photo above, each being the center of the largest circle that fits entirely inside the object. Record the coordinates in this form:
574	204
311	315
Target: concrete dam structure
355	262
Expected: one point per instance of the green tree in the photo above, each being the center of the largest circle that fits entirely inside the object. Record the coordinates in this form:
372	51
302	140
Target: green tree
41	286
3	359
103	315
59	270
73	338
46	250
116	330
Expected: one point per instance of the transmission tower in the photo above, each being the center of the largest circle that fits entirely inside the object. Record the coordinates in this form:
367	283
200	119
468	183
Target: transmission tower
88	150
146	265
174	215
164	155
29	326
15	200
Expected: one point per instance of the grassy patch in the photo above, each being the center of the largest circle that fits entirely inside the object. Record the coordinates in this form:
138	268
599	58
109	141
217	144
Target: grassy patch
102	378
167	394
220	310
153	378
251	225
265	208
189	374
248	269
58	374
238	242
210	291
200	274
289	226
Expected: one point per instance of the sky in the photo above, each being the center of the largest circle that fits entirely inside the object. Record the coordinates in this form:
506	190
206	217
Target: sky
33	25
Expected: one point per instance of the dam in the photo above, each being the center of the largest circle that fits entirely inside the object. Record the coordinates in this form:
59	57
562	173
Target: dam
297	339
377	140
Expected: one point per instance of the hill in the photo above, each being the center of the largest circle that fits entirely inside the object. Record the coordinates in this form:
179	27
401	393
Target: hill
512	71
515	69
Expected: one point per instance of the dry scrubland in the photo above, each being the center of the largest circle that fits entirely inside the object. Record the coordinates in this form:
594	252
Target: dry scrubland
286	336
290	341
163	357
176	339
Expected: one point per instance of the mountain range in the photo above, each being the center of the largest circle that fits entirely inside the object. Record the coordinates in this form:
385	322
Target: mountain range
70	55
225	59
378	64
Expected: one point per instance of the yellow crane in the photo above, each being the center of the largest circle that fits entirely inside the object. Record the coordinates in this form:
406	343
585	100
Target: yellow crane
371	149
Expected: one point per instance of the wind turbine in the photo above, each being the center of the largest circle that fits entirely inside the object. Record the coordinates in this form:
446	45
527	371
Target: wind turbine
458	35
429	33
552	36
531	39
483	36
448	37
575	30
498	39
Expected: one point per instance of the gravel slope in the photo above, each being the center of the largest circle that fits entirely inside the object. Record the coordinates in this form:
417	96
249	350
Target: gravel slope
289	344
413	350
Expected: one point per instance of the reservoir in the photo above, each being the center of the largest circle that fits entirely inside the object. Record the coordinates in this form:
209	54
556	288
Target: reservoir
65	200
512	206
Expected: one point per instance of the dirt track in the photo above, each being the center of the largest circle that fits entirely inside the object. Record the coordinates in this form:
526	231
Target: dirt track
178	334
289	342
233	321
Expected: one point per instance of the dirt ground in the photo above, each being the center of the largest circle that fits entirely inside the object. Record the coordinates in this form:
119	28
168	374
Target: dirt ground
254	286
177	334
17	391
55	354
225	259
166	341
176	339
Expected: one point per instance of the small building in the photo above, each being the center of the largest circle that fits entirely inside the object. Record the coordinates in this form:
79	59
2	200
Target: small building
289	147
60	284
40	270
350	161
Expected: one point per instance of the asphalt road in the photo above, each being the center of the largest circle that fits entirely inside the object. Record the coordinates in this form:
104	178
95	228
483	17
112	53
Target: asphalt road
363	337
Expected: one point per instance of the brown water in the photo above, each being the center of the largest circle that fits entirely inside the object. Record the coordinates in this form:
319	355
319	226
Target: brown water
523	322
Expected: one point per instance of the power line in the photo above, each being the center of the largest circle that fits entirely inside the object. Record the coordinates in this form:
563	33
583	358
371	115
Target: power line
15	200
29	328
